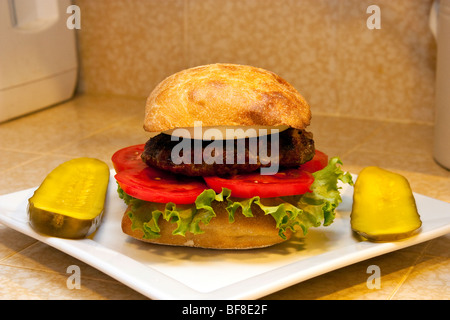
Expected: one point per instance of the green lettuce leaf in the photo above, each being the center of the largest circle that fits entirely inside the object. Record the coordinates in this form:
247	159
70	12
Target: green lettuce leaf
311	209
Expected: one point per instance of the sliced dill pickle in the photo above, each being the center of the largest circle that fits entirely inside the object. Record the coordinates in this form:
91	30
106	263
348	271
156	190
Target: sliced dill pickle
384	208
70	201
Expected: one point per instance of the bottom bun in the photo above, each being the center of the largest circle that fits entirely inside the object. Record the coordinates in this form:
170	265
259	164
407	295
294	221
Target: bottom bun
244	233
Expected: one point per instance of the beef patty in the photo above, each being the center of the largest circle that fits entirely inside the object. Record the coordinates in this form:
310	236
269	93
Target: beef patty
295	147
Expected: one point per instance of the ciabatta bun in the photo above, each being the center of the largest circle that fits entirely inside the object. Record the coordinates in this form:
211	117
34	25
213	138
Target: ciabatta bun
225	94
244	233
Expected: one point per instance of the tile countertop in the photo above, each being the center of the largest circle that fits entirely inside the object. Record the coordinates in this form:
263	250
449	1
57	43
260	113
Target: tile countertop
96	126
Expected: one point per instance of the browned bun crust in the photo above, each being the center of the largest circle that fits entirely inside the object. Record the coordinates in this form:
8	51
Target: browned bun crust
244	233
225	94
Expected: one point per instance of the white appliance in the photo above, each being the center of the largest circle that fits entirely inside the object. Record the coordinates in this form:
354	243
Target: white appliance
38	60
440	25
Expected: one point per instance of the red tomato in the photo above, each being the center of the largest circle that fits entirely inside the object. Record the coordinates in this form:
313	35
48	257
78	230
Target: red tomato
128	158
284	183
154	185
318	162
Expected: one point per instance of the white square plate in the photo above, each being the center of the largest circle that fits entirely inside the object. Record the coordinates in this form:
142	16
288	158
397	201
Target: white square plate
162	272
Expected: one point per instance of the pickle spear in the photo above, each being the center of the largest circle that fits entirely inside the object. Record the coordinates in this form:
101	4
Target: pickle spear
69	203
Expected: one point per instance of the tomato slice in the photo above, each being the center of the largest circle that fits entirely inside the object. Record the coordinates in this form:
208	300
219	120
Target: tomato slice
318	162
284	183
151	184
128	158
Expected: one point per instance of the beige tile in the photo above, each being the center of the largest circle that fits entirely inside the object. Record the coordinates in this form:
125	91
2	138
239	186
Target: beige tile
428	280
432	186
22	283
418	163
9	159
342	133
51	128
40	264
12	241
127	47
350	283
439	247
401	138
92	126
40	256
30	174
386	73
103	144
10	289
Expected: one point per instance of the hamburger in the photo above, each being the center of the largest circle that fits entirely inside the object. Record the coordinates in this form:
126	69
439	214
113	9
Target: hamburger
229	165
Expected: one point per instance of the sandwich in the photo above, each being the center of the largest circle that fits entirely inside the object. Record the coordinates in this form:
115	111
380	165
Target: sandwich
229	164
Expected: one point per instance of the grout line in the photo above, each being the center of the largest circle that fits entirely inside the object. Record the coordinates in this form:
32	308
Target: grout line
37	157
16	252
368	137
410	269
402	280
3	262
36	153
55	150
406	153
387	120
94	94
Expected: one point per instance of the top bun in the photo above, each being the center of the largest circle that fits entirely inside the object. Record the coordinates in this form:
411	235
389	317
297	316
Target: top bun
225	94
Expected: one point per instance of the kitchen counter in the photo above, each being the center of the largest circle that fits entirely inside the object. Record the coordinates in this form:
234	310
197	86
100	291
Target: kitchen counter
97	126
